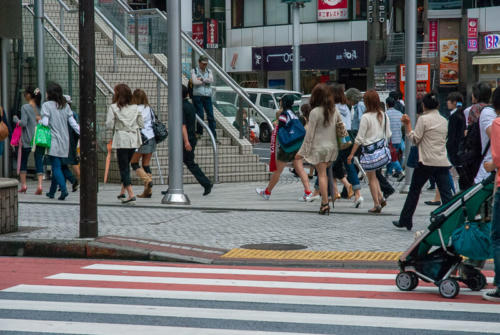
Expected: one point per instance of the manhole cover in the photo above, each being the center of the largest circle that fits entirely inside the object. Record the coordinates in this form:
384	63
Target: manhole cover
274	246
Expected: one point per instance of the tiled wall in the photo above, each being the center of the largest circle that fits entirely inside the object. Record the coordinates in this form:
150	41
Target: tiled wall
8	206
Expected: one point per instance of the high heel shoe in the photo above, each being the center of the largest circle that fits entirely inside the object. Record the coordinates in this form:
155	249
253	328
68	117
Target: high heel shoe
337	196
324	209
375	210
23	189
39	191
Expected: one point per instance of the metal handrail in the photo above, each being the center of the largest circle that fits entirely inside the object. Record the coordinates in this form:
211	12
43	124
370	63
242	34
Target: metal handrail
215	66
116	32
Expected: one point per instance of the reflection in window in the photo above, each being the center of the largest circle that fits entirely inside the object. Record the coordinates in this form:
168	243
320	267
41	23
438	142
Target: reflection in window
237	13
253	13
276	12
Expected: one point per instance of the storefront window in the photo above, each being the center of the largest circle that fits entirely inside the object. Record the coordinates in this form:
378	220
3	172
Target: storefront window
445	4
276	12
488	3
237	13
252	14
359	10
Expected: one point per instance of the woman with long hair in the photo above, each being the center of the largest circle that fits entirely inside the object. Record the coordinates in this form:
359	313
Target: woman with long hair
57	115
374	126
30	115
126	121
320	146
148	146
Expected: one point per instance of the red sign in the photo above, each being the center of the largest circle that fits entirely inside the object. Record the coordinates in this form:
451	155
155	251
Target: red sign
433	38
472	28
198	34
212	34
333	10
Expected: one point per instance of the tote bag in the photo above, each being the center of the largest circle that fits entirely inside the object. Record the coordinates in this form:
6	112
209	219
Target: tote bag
42	137
376	155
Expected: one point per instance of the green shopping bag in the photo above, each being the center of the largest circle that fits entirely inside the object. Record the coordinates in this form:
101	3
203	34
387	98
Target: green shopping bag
42	137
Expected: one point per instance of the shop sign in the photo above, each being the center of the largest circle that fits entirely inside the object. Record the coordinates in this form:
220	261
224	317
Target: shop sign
198	34
433	38
376	11
333	10
212	34
423	72
472	33
328	56
448	68
492	41
238	59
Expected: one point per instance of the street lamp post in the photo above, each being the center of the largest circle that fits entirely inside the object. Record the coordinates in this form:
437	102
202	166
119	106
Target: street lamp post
175	194
296	45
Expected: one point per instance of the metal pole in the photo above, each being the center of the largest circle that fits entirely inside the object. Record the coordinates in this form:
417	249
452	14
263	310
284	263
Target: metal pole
5	101
39	43
88	139
296	46
411	66
175	193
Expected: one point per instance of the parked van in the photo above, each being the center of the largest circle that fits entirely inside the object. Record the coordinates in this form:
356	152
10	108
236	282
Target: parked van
265	98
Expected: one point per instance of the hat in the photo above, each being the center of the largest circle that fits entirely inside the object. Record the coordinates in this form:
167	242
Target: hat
67	97
354	95
203	59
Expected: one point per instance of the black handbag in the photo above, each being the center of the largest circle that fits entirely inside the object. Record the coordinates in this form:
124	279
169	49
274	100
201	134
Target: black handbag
159	129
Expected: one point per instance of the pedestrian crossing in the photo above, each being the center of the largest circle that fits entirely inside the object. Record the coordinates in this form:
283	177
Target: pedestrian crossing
103	297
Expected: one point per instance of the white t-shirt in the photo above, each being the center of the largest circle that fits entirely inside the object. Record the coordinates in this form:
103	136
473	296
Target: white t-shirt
488	115
466	113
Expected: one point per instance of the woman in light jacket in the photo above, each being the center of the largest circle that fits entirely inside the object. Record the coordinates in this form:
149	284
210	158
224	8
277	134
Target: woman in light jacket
320	146
430	134
148	146
57	115
371	130
126	121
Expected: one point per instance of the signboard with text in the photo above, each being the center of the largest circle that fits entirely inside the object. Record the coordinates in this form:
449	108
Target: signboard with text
472	33
492	41
423	78
433	38
333	10
448	67
212	33
198	35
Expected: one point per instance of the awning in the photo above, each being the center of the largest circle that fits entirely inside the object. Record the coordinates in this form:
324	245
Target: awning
484	60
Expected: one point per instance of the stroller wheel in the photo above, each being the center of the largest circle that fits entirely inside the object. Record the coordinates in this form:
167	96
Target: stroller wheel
449	288
476	282
406	281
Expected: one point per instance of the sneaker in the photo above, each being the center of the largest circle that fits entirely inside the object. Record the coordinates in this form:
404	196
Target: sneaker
399	176
358	202
492	295
262	193
306	197
314	197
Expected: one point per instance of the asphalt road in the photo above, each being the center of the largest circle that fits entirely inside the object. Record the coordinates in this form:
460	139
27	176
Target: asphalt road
39	296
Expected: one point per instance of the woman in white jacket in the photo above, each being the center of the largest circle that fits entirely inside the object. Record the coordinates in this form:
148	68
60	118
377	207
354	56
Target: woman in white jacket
126	122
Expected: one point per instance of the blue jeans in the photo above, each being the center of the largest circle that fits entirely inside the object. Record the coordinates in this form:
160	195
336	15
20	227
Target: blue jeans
39	152
352	173
58	175
495	237
201	103
395	165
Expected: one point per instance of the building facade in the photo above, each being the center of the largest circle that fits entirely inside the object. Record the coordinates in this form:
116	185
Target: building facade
334	44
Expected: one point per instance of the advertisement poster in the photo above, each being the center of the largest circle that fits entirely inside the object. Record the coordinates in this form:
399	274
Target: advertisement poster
448	68
198	34
433	38
472	34
212	34
333	10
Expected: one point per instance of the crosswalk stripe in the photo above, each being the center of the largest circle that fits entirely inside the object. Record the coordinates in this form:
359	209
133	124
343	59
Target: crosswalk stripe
452	306
236	283
66	327
230	271
261	316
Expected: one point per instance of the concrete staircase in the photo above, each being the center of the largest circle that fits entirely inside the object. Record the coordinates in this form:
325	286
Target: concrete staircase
237	163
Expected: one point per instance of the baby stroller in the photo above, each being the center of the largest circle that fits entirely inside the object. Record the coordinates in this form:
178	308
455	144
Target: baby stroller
432	258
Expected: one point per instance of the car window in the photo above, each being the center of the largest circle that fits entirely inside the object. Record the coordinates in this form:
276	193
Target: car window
227	110
295	96
225	96
243	103
267	101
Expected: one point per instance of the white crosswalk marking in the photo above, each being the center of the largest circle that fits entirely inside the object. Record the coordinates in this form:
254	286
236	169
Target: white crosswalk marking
127	298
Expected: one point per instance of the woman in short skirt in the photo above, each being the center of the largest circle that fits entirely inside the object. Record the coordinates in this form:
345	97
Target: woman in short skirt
148	146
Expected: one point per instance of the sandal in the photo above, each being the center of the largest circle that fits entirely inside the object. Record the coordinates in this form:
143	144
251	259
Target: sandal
375	210
383	203
324	209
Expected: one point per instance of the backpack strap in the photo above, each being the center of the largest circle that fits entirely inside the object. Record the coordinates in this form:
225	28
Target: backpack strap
485	150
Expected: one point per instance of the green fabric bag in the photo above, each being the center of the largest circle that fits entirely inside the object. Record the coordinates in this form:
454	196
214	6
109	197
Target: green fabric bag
42	137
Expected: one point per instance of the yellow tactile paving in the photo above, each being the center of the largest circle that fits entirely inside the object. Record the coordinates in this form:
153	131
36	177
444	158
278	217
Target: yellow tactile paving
374	256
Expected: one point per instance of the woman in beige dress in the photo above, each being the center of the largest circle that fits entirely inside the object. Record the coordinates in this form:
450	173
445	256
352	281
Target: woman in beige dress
320	146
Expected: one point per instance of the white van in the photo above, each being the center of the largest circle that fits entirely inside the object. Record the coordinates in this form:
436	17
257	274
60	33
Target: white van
266	99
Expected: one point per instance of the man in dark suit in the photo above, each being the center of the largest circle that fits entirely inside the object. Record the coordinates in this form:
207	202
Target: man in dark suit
456	133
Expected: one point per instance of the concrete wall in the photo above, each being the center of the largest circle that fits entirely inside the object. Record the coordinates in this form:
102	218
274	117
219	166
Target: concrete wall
8	206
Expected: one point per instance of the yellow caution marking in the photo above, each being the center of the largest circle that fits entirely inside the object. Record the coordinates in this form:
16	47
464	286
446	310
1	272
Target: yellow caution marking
373	256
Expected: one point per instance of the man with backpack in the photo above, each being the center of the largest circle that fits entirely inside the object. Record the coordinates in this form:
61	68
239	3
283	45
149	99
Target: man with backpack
474	148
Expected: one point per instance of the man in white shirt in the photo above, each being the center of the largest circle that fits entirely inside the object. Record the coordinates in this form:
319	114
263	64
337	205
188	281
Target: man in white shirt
488	115
202	79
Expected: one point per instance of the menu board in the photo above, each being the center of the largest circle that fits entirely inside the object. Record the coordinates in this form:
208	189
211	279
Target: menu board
448	67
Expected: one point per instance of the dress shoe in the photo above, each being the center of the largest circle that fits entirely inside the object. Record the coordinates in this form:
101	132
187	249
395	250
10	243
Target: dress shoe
208	189
400	225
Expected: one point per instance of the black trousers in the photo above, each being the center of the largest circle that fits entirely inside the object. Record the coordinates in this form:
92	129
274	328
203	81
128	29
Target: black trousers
420	176
124	157
188	159
385	186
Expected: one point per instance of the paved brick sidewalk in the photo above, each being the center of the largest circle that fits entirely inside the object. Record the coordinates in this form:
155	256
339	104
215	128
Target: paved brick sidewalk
233	215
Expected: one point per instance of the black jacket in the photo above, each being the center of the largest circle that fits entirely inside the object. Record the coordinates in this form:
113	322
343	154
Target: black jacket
456	133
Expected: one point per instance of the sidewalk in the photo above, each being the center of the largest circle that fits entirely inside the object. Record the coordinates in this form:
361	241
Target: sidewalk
214	228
